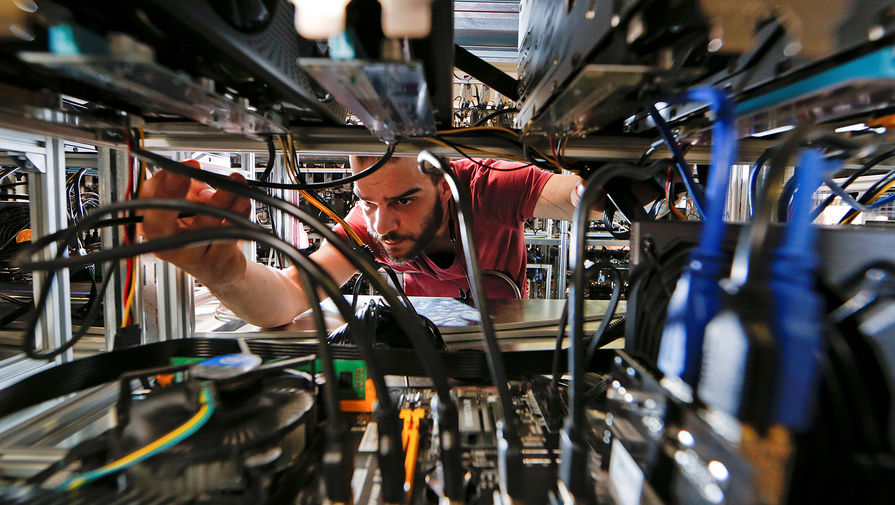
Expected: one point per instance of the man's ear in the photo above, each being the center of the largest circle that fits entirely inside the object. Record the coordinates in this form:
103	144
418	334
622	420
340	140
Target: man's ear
444	190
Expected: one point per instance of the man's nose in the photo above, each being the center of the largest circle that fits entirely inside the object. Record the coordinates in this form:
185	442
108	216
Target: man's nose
385	222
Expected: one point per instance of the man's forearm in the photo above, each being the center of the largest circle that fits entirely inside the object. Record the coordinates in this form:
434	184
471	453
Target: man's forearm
263	296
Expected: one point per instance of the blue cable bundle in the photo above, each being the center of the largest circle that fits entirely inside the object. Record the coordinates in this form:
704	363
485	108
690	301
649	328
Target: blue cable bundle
697	296
798	307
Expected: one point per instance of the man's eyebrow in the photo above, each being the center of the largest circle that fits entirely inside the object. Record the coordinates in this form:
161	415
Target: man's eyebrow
403	195
392	198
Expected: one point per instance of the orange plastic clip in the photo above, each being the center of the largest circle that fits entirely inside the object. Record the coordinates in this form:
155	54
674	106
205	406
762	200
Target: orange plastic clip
410	438
365	405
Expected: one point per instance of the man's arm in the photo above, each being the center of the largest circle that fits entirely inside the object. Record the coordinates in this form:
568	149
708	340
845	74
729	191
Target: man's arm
559	198
260	295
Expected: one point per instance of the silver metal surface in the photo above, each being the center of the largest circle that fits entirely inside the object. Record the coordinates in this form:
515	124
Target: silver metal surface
146	84
172	289
18	367
250	249
176	317
548	273
493	25
356	140
737	207
55	425
49	214
25	462
390	98
562	267
594	97
111	185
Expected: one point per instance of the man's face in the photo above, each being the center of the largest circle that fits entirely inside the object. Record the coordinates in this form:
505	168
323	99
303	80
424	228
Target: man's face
403	208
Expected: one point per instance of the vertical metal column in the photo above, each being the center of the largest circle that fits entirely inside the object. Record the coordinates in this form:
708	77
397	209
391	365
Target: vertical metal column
563	260
174	292
562	263
283	220
248	166
110	188
737	208
48	209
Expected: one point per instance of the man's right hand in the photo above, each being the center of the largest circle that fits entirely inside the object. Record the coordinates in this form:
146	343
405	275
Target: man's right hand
219	265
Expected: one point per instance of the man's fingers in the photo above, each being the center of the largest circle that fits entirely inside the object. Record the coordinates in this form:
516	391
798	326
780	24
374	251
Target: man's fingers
219	198
157	222
241	204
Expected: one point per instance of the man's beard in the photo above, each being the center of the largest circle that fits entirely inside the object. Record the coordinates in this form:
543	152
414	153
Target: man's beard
420	242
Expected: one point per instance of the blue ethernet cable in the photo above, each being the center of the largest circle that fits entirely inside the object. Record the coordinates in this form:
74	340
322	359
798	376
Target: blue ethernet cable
679	161
696	297
798	307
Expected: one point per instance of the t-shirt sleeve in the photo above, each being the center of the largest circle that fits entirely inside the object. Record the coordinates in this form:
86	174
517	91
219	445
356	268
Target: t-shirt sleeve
510	196
355	220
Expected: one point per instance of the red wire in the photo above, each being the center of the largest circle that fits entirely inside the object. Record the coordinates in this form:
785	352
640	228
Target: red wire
671	206
127	283
553	151
127	194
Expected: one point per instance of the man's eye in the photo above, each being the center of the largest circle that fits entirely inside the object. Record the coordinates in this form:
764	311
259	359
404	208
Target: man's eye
405	201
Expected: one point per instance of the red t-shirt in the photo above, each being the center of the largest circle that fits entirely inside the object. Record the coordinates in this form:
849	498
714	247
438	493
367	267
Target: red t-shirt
501	202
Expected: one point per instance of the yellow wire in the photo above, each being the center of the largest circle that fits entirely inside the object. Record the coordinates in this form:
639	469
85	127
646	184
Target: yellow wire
472	150
142	177
853	213
130	296
478	128
292	169
124	461
504	130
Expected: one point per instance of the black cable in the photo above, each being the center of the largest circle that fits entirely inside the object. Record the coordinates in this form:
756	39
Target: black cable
564	318
324	185
751	252
355	291
470	252
597	340
312	275
512	453
480	164
499	112
853	177
574	452
557	347
870	194
448	416
428	353
753	179
271	159
268	170
335	424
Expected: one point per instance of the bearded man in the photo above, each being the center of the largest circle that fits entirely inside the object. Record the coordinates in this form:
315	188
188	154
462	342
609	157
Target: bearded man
406	216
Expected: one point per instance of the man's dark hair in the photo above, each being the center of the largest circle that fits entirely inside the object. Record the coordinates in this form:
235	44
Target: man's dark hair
365	161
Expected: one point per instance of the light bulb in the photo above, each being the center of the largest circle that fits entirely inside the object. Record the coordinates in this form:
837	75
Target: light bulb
406	18
319	19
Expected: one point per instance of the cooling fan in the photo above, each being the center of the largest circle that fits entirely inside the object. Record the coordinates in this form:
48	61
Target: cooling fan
215	437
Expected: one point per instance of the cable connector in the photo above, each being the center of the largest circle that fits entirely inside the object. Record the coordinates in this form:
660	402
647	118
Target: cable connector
338	467
573	465
448	421
391	455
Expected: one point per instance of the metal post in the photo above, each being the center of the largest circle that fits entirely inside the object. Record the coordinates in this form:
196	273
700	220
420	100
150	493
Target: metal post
563	260
248	166
110	187
173	292
737	208
48	210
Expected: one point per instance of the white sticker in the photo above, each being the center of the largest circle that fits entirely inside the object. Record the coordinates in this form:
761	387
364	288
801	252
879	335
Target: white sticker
625	477
370	440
